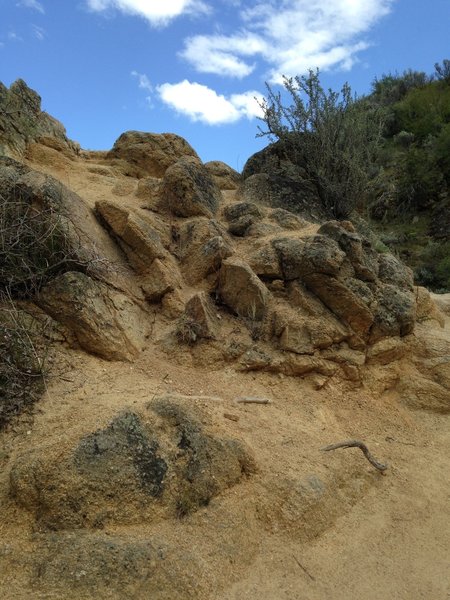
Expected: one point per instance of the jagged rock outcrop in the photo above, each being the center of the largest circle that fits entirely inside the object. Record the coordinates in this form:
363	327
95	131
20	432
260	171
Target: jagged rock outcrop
22	121
104	321
128	472
140	154
188	190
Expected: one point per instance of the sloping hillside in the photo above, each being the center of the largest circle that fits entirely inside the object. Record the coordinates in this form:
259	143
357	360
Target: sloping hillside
204	344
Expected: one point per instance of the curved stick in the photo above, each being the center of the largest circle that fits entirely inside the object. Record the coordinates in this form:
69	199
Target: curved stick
362	447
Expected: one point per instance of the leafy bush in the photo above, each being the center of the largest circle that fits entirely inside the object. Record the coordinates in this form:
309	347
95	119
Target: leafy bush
336	136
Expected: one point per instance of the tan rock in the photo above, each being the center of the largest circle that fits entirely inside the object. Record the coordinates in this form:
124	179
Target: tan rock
242	291
386	351
104	321
202	246
188	190
427	308
161	278
199	319
224	176
141	243
149	154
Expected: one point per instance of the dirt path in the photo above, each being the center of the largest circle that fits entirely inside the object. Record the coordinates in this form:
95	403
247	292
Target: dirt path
394	544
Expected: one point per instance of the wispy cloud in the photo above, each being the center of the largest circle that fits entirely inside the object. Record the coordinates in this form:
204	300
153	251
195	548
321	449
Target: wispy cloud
157	12
143	81
34	4
201	103
288	37
38	32
14	37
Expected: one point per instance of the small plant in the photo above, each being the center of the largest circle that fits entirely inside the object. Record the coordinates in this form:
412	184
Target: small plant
187	330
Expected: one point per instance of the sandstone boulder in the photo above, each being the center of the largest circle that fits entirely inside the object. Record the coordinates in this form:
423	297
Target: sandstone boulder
149	154
188	189
242	291
104	321
224	176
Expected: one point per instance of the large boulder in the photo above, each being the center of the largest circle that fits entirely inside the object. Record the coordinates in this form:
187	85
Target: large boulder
104	321
141	154
139	468
22	122
188	190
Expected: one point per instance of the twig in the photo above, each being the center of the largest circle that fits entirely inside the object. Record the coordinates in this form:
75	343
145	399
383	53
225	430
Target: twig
362	447
252	400
303	568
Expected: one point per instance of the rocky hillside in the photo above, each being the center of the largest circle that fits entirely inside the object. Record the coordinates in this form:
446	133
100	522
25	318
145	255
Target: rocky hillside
205	341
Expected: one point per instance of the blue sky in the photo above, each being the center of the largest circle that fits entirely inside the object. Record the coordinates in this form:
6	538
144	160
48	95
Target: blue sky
193	67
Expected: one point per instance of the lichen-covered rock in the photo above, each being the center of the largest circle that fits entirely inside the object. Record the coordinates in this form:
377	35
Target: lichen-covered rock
242	290
188	189
286	219
142	154
129	472
223	175
104	321
264	262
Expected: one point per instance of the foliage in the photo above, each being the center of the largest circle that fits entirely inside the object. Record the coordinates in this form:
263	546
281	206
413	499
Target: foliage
434	271
333	134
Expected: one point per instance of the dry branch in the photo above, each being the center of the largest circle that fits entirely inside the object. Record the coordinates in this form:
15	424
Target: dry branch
252	400
362	446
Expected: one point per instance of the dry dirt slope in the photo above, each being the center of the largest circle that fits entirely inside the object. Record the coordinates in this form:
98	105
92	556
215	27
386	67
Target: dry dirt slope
301	525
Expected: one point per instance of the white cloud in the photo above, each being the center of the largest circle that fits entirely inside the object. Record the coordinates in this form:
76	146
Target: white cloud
157	12
34	4
201	103
220	54
39	32
14	37
143	81
290	36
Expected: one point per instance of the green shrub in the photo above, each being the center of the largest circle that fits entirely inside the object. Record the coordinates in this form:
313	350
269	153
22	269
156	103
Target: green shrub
336	136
